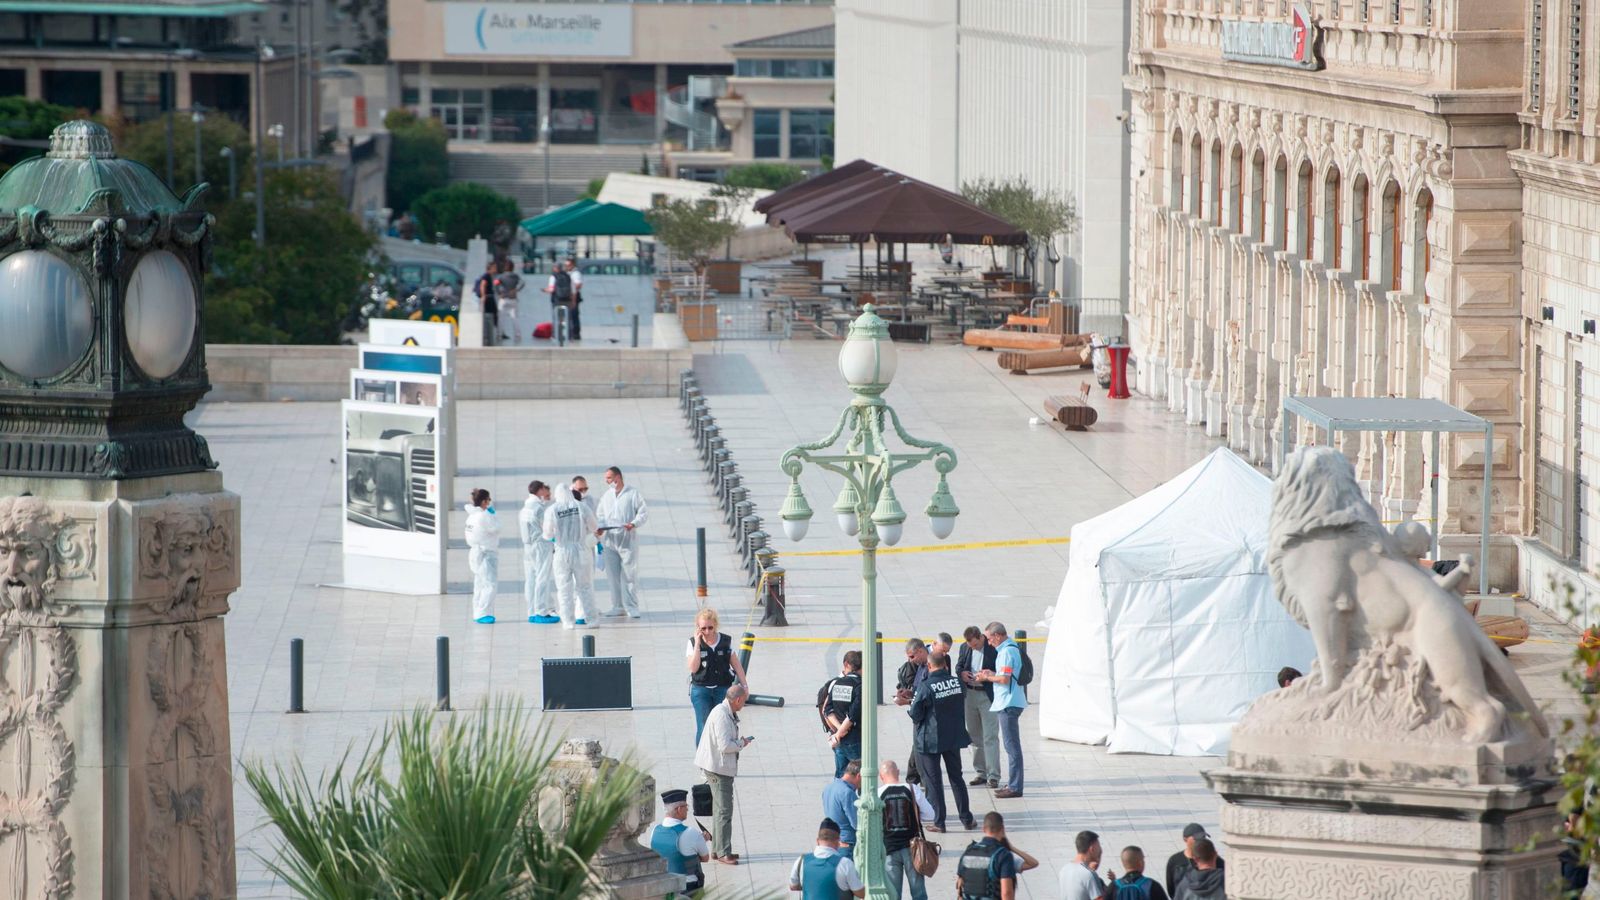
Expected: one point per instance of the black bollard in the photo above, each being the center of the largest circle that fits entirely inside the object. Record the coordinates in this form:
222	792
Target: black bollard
441	672
297	675
588	645
746	643
700	562
877	650
765	700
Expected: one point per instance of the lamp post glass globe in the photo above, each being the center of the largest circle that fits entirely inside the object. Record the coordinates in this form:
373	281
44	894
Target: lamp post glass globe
942	526
868	358
796	529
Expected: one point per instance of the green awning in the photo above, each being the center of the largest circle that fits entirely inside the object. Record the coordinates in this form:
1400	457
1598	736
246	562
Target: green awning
591	219
171	10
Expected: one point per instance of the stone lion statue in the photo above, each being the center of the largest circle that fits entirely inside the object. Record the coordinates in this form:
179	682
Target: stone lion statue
1349	581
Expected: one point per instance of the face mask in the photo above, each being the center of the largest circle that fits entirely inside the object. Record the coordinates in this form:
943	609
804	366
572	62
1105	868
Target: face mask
577	494
491	510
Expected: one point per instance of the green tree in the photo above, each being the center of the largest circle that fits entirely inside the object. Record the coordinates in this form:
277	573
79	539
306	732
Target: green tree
298	287
372	24
28	120
593	189
1041	213
694	229
146	142
454	814
462	211
418	159
764	176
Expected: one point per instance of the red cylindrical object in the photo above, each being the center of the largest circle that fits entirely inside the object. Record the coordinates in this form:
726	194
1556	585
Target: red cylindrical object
1119	371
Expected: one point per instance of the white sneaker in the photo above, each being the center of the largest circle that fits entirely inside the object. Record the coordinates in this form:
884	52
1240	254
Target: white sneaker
568	626
633	615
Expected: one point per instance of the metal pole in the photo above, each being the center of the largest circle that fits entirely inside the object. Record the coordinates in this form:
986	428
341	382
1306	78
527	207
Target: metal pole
561	326
700	562
635	329
172	103
441	671
544	130
869	836
1483	527
199	169
1433	488
297	675
261	146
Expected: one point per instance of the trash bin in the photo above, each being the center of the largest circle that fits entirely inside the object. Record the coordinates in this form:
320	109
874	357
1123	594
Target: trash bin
1118	354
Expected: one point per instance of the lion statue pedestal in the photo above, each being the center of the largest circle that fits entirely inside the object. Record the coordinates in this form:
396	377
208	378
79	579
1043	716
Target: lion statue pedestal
1410	761
623	868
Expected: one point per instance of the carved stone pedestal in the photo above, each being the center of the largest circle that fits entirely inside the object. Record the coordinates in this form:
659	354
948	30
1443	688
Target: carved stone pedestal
623	868
1328	810
114	745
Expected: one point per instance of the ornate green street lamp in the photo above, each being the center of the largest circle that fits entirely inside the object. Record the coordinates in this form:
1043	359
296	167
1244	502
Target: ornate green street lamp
100	349
868	510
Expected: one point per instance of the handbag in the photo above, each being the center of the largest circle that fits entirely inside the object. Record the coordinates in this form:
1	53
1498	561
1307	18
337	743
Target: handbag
701	794
924	853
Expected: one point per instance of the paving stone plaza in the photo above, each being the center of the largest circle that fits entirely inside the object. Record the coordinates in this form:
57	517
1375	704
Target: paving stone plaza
370	655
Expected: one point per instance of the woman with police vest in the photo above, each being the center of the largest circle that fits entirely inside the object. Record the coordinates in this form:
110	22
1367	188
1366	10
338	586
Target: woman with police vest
713	668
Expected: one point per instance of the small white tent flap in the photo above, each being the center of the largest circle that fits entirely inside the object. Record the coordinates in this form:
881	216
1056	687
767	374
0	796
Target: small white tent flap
1167	628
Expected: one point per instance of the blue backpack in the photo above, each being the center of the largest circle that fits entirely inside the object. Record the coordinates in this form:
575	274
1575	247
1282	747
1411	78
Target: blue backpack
1137	890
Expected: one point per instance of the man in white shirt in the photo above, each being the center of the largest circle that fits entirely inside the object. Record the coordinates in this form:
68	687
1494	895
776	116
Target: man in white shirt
812	874
565	288
1080	879
621	511
683	848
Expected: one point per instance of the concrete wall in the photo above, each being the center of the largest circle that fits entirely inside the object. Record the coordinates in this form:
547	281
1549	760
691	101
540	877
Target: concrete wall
275	372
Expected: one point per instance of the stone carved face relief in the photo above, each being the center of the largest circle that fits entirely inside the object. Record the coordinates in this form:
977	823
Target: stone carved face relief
179	548
30	553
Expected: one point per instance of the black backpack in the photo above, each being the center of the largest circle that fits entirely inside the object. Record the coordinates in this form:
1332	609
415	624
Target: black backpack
824	697
899	813
977	870
1025	677
563	286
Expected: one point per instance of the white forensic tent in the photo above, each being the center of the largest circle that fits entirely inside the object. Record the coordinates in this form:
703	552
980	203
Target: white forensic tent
1167	626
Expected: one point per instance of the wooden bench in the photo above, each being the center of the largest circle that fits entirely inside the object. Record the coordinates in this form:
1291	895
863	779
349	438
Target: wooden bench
1018	362
1073	412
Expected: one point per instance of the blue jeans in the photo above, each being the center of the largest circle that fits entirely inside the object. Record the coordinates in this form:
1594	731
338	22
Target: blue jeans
848	749
704	699
1011	737
898	862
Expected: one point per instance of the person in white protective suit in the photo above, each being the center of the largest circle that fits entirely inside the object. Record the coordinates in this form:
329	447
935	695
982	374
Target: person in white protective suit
580	491
571	525
538	557
483	555
622	511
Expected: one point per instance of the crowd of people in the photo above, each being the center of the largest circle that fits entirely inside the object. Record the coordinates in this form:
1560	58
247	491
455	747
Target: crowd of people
498	290
971	699
567	534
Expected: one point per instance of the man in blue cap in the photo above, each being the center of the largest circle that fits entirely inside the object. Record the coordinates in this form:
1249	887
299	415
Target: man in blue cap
683	848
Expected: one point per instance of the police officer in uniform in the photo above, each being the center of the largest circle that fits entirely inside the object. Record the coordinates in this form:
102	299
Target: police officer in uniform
683	848
842	712
939	711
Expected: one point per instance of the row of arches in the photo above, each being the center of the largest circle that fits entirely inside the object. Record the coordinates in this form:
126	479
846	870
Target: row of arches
1376	232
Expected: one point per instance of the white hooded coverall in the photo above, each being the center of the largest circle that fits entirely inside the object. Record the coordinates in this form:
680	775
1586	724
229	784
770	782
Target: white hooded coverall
571	524
483	556
619	508
538	558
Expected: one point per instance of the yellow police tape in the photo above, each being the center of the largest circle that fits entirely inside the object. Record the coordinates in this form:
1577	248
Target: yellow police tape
938	548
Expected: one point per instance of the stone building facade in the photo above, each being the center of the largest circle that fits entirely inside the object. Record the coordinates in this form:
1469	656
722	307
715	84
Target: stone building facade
1559	164
1324	203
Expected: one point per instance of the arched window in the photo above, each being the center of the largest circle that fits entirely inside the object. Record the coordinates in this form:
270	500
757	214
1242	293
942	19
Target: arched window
1361	229
1237	219
1216	175
1332	220
1280	189
1422	249
1306	217
1194	176
1175	172
1393	251
1258	187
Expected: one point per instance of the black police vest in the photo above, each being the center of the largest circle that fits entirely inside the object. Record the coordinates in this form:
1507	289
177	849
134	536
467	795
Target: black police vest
716	664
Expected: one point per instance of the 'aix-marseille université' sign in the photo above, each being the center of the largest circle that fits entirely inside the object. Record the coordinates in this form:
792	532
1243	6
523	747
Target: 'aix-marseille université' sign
1292	44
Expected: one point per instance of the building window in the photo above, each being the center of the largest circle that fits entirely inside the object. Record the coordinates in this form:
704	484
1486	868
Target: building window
1333	226
143	95
1216	183
60	29
768	130
1280	186
1238	190
410	97
1175	175
1308	218
809	136
1392	229
72	88
1574	56
1361	225
783	68
1535	52
1258	182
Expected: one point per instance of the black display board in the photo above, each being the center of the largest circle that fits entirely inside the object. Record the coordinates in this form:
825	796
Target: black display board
588	682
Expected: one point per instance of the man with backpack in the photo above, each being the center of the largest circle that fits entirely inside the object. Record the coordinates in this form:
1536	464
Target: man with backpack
826	874
565	288
987	869
1134	884
904	807
1012	672
839	707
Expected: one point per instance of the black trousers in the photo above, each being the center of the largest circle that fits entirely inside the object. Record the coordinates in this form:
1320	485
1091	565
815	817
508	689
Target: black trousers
933	784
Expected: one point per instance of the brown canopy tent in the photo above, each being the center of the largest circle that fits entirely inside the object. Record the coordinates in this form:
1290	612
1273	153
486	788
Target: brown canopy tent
905	211
803	189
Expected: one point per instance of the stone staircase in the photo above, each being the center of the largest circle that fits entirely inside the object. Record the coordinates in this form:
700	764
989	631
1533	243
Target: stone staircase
519	172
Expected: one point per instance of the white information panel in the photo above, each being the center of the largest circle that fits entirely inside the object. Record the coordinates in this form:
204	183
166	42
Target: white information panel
410	332
404	388
395	515
420	359
538	29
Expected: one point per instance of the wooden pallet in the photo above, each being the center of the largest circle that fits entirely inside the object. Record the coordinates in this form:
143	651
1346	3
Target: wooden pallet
1073	412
